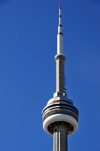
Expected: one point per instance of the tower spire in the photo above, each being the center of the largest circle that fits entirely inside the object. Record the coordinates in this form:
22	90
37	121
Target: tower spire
60	35
59	14
60	58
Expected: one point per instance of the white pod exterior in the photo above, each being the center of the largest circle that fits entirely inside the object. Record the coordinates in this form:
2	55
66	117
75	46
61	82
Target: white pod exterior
60	117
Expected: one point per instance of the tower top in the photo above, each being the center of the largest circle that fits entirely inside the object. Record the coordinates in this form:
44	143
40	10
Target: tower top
60	14
59	35
60	6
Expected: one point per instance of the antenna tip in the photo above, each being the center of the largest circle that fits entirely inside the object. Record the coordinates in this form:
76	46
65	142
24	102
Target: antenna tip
60	6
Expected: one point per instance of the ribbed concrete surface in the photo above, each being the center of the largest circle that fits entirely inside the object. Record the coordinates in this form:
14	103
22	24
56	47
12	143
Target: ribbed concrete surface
60	76
60	138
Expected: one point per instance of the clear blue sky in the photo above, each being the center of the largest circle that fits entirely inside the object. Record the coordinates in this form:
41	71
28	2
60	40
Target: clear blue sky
28	31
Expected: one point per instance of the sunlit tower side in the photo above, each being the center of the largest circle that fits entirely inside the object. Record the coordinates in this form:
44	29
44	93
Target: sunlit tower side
60	116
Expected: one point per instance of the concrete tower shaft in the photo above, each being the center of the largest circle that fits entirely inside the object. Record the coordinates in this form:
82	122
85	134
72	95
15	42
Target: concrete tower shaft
60	58
59	138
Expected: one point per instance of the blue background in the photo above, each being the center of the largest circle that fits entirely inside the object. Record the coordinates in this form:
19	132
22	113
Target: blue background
28	32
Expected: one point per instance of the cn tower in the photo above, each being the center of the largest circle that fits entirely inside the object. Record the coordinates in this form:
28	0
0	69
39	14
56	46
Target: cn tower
60	116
